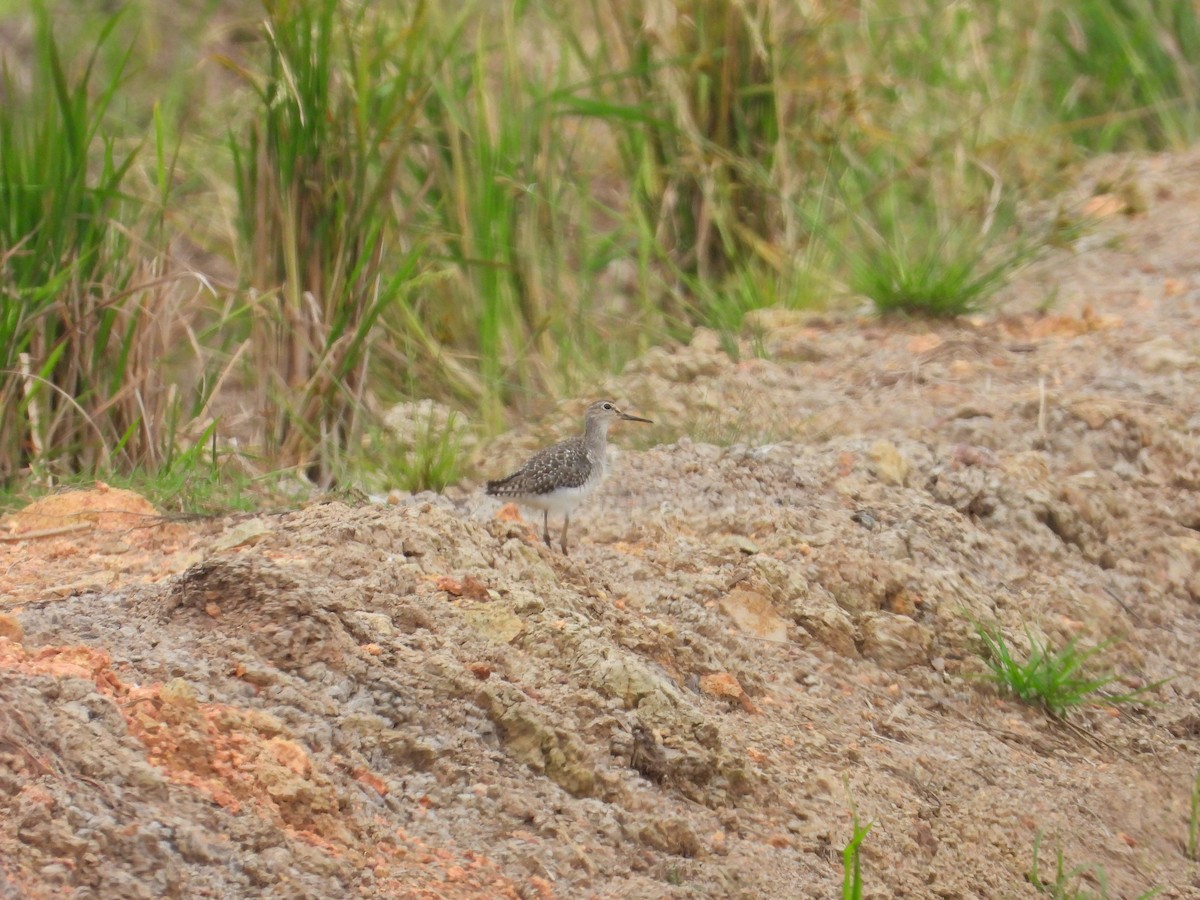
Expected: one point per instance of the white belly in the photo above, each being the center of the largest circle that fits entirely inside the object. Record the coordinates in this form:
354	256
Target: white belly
560	501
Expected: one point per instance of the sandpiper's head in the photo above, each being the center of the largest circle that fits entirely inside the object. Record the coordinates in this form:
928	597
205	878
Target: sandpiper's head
604	412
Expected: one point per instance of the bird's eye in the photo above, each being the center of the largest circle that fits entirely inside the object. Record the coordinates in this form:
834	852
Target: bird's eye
608	406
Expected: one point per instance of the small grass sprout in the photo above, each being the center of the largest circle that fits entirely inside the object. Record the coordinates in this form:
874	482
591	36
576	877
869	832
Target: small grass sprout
852	881
1065	885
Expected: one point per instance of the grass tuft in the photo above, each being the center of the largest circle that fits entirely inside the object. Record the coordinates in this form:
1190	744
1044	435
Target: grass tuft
1054	680
431	459
930	274
915	248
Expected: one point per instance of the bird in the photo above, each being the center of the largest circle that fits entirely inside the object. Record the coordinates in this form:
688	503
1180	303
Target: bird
558	478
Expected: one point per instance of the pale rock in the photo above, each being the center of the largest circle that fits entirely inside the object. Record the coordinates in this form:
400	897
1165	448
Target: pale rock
628	679
753	613
895	641
494	622
376	626
1163	354
530	737
832	626
244	534
890	465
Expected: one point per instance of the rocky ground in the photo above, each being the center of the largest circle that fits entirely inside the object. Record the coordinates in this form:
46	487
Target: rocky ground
765	625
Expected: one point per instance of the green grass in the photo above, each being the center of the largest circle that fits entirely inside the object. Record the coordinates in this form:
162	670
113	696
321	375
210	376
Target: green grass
315	172
923	269
700	140
78	329
1125	76
498	213
723	305
203	489
488	205
522	242
429	458
1055	680
1066	883
852	881
918	249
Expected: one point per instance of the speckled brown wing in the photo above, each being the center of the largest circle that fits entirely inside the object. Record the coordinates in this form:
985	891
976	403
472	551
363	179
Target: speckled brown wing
565	465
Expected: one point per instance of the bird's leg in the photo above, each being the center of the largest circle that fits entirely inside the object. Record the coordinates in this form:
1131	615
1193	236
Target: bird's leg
546	527
566	524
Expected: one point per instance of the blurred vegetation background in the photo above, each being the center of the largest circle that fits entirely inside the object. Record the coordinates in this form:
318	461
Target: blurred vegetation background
233	235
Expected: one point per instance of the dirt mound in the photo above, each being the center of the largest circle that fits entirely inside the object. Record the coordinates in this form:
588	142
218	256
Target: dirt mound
91	540
766	623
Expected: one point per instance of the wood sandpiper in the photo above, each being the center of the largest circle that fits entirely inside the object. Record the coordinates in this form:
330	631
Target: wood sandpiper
557	479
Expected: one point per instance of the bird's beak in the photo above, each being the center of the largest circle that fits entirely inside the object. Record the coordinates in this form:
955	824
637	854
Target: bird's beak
627	417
